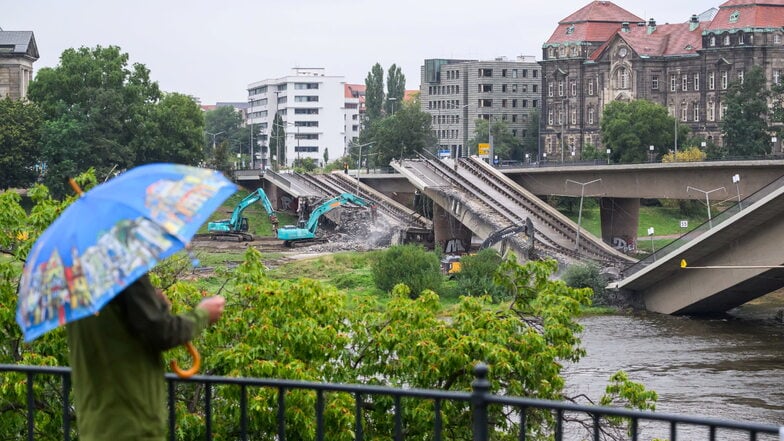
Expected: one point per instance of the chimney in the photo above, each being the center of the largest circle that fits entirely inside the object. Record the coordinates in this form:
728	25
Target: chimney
625	26
651	25
694	23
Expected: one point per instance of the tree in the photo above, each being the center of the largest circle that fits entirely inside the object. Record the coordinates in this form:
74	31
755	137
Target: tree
374	94
744	127
405	134
178	132
227	120
100	112
531	139
20	150
411	265
277	142
629	128
504	143
396	89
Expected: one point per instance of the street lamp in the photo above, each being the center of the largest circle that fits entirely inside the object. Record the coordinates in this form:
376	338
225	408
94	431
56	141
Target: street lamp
580	212
359	162
392	105
608	156
736	180
213	138
653	249
650	148
707	200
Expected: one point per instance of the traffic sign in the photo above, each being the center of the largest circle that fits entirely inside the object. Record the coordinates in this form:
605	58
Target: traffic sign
483	148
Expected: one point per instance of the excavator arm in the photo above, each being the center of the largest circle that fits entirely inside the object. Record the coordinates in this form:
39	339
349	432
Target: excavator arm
237	224
290	234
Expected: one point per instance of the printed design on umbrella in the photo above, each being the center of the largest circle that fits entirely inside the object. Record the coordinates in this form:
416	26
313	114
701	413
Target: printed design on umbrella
71	288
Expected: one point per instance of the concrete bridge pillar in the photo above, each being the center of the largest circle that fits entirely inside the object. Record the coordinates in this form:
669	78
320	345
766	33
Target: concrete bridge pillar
620	221
449	233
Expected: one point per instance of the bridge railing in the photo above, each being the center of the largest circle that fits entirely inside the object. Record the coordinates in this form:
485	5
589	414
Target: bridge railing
594	421
704	227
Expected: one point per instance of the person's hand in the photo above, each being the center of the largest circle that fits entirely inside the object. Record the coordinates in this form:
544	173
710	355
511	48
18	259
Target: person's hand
213	306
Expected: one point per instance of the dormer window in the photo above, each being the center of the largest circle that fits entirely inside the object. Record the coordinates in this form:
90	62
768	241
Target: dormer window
712	41
734	17
726	39
570	30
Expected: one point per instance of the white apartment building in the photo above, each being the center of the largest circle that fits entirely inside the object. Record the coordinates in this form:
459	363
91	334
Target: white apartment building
312	106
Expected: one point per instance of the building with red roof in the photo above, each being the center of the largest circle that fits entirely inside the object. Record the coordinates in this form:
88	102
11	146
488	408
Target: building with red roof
602	53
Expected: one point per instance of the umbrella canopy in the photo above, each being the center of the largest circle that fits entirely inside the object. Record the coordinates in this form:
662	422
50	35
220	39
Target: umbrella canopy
111	236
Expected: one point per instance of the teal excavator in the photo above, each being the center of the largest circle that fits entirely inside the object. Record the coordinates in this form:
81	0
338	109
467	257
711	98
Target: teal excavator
306	230
236	227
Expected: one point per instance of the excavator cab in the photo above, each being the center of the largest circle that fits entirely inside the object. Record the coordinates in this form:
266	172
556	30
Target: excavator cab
244	224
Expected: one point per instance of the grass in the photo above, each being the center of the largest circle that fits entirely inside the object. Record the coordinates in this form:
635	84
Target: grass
665	221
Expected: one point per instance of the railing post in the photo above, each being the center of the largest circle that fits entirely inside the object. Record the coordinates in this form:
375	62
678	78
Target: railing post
480	388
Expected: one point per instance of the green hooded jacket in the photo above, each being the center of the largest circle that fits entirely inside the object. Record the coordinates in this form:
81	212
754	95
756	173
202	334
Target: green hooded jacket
116	359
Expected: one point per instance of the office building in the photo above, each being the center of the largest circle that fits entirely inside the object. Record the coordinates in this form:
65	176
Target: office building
458	92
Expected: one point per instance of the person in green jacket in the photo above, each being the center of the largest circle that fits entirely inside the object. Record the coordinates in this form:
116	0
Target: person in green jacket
117	365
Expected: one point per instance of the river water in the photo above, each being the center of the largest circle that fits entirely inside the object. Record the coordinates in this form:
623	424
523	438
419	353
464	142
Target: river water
730	367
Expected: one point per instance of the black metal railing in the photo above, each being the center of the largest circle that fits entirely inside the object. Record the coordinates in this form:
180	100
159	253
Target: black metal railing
641	423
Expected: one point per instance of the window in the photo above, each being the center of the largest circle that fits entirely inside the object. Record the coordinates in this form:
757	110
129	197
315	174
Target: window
503	88
305	99
306	136
590	115
740	76
776	77
685	82
503	73
525	103
623	78
485	103
673	83
306	86
590	87
734	17
724	79
711	111
503	103
514	118
525	73
712	41
485	88
561	88
485	73
534	88
306	149
655	82
740	38
299	111
777	39
534	103
711	81
550	117
726	39
550	88
514	73
684	112
696	81
514	103
574	116
307	123
696	112
534	72
573	86
722	111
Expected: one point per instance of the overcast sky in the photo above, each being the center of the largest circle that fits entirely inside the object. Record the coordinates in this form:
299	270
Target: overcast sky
214	49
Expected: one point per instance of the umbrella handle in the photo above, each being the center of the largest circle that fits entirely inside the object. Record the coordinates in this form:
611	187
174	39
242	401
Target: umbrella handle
187	373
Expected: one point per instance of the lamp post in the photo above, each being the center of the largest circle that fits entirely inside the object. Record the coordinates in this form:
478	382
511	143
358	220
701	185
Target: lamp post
213	138
392	105
359	162
736	180
773	140
675	112
580	212
707	199
650	149
608	156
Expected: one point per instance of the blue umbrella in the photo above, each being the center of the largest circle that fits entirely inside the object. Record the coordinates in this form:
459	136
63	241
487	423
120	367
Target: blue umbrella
111	236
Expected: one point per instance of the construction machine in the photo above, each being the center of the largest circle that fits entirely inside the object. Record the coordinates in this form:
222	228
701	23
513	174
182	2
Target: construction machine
450	264
306	230
236	227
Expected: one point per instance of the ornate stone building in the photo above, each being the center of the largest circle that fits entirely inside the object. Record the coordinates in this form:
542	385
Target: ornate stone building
18	52
603	53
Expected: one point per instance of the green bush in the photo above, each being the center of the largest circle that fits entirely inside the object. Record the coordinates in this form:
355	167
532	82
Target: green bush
586	275
411	265
476	275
